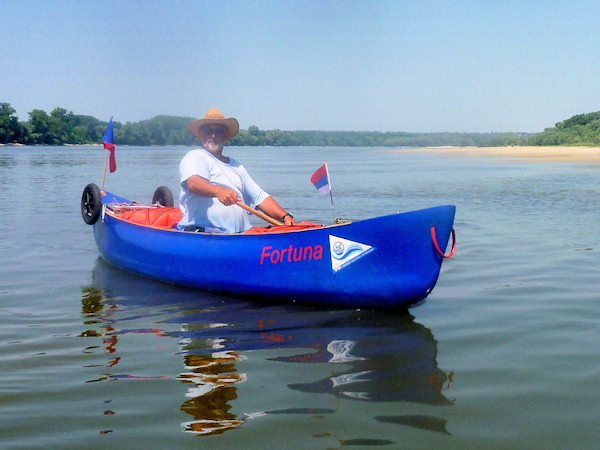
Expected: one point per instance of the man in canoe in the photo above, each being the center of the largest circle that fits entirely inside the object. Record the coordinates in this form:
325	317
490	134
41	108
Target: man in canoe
212	184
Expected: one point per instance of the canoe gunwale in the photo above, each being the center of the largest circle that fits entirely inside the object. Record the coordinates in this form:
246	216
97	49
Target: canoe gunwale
110	212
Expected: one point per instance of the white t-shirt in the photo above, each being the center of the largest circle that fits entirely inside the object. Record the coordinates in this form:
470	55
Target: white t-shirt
209	212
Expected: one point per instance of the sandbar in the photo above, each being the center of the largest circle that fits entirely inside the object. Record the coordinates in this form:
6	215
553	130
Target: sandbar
518	153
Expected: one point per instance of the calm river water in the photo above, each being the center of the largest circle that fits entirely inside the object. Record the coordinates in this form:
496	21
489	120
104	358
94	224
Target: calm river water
504	353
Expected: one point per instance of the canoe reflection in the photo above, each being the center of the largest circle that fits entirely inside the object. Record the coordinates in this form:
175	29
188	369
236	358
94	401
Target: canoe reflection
213	380
373	356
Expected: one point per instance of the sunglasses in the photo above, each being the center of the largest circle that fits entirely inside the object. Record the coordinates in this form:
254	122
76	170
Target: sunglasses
217	130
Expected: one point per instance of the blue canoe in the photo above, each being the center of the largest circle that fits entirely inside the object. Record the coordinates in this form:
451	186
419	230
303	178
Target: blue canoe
386	261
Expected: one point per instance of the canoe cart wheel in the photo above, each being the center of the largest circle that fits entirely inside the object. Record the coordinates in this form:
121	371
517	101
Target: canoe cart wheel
163	196
437	247
91	204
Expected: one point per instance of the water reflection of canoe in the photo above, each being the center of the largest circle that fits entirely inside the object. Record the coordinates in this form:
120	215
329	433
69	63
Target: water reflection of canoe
372	355
377	355
385	261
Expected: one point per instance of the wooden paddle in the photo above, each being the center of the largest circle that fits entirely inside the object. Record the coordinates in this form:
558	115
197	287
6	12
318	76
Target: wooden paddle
257	213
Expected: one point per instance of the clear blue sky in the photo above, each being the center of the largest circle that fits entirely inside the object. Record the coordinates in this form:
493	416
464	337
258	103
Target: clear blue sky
420	66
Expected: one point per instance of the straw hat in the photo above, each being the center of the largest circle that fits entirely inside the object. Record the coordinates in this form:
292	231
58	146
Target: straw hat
213	115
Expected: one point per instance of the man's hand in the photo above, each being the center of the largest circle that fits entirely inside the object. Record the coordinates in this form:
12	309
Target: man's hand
226	196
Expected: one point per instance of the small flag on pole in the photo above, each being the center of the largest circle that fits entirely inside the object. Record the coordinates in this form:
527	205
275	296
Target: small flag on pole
321	180
108	140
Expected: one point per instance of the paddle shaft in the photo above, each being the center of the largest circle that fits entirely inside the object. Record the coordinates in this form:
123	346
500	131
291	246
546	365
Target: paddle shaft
257	213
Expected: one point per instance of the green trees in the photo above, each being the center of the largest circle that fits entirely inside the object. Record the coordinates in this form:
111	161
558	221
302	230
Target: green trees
39	127
160	130
10	128
582	129
255	136
62	127
57	128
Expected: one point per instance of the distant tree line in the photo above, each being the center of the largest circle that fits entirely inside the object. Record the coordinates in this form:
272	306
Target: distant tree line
254	136
62	127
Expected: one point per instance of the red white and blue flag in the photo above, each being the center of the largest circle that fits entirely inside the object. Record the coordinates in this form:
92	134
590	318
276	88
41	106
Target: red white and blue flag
108	140
321	180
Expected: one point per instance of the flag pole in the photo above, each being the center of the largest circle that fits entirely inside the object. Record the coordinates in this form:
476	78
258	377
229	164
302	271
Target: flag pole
330	193
104	173
108	141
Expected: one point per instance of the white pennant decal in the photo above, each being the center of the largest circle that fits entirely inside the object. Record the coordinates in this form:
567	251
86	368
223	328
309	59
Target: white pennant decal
344	252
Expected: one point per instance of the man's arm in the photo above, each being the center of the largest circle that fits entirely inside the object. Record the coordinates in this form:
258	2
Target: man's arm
204	188
271	207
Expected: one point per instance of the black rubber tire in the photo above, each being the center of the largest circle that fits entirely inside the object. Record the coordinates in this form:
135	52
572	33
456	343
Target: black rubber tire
163	196
91	204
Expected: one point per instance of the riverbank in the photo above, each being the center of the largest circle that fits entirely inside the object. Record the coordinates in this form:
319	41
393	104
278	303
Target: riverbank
516	153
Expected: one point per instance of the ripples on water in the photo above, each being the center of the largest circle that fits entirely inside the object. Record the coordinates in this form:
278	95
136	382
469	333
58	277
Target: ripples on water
217	335
502	354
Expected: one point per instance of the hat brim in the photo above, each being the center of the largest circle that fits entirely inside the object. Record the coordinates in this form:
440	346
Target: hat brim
231	124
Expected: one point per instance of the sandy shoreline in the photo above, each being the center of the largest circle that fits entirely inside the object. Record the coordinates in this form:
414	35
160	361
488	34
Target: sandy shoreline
525	154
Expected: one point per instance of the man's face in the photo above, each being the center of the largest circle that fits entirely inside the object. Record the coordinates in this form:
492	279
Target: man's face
213	137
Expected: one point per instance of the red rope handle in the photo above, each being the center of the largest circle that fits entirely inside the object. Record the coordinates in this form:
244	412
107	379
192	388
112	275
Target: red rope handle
437	247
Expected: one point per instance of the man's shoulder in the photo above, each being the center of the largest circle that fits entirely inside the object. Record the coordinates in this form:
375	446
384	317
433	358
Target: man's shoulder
196	153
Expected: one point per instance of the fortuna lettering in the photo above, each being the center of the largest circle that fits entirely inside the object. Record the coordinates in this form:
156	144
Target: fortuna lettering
290	254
